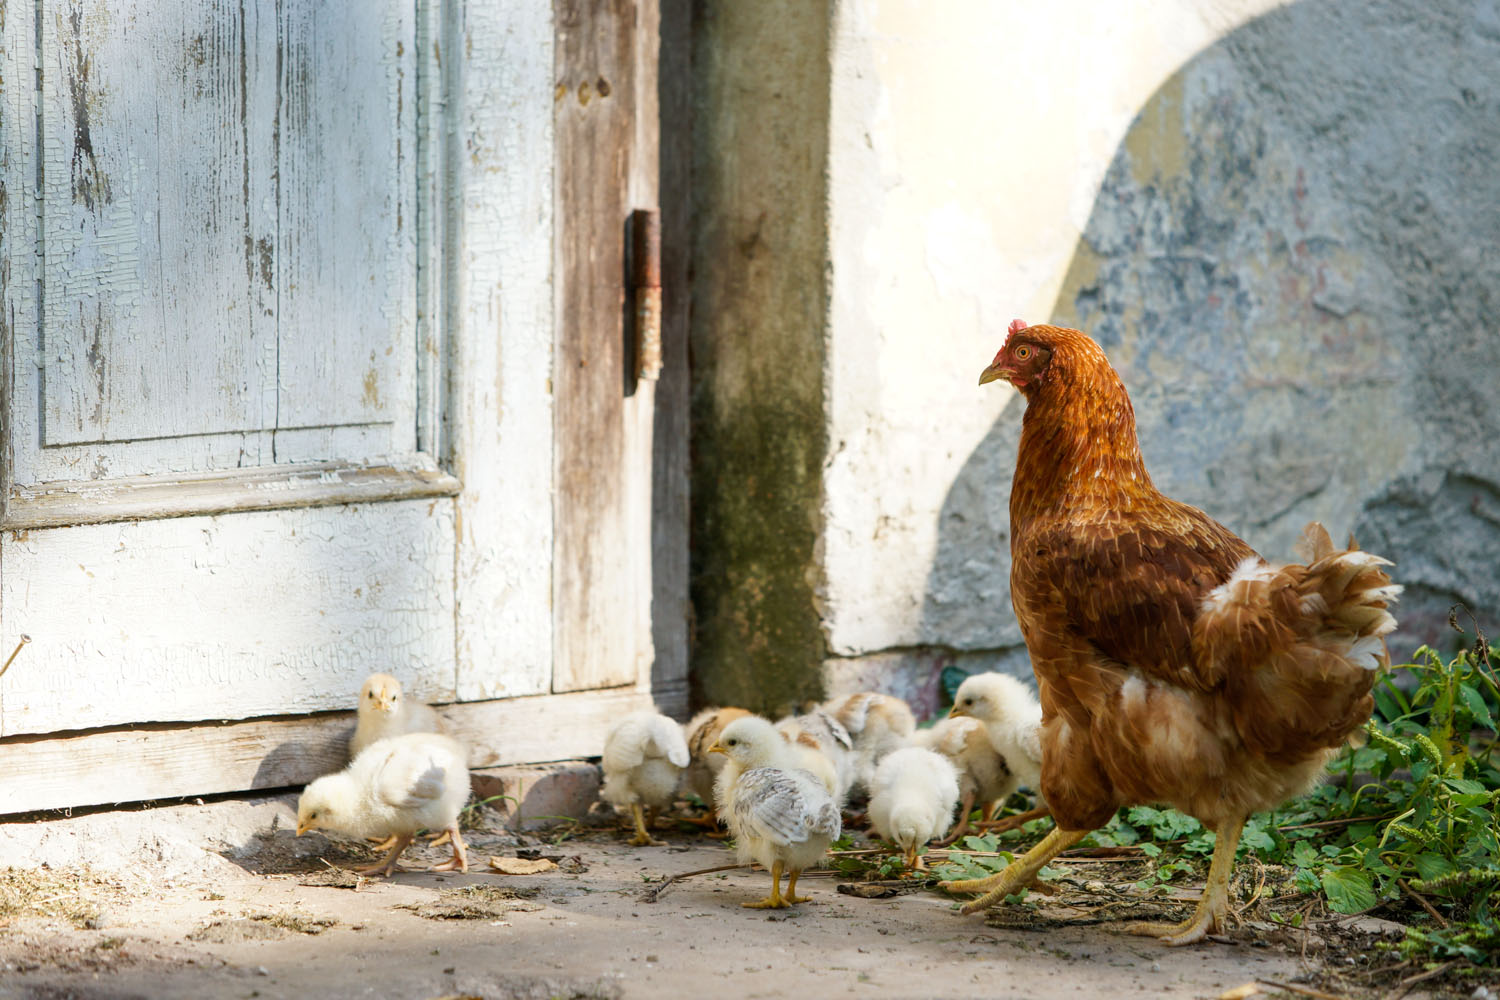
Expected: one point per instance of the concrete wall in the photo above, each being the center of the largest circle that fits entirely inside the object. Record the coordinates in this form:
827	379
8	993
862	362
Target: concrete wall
1280	221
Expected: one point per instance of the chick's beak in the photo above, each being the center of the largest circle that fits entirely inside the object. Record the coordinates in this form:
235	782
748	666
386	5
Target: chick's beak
955	712
301	828
718	748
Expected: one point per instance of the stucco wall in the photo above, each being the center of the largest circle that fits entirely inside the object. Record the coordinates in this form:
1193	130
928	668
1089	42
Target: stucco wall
1280	220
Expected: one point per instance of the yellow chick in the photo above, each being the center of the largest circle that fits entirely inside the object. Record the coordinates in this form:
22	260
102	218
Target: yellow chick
644	756
701	732
824	747
384	711
912	800
877	723
983	777
781	815
1012	718
397	787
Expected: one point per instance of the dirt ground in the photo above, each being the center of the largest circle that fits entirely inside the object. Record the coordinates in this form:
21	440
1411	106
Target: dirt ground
221	900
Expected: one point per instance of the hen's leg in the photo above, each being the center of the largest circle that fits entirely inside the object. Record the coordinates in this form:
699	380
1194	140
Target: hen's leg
791	889
1213	908
642	838
774	900
964	808
460	860
388	865
1018	874
1011	822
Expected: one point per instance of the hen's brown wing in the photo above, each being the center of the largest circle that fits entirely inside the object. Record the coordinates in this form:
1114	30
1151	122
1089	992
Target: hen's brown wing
1132	586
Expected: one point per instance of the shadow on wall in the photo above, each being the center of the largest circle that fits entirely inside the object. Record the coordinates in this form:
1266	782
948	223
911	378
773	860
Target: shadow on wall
1292	261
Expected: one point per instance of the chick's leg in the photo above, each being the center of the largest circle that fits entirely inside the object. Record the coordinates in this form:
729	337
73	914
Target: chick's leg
1019	874
642	838
1213	908
791	889
1012	822
388	865
964	808
774	901
460	859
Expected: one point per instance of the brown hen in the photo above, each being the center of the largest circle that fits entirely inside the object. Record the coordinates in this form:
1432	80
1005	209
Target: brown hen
1174	664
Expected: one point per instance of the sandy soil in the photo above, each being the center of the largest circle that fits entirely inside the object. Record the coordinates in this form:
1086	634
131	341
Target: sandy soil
222	901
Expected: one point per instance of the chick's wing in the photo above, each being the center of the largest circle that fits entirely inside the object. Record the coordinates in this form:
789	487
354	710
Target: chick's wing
410	780
783	807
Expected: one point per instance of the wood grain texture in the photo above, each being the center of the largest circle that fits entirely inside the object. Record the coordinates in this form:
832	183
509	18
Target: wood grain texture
284	486
600	565
163	761
500	320
671	610
234	616
228	244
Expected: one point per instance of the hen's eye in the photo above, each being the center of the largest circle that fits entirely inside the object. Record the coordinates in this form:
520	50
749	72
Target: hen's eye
1023	352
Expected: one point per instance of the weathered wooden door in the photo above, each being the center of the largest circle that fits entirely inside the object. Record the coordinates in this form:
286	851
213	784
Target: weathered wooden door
314	365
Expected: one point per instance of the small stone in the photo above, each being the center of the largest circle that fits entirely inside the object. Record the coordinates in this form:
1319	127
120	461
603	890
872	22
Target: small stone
1155	966
261	970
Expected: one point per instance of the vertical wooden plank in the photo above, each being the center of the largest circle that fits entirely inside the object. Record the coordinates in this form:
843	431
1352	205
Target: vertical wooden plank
597	596
155	324
497	61
670	605
346	247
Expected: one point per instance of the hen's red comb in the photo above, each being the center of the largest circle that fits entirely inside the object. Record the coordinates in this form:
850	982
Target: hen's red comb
1017	325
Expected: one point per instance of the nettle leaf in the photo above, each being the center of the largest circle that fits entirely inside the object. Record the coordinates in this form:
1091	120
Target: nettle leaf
1475	702
1306	880
1349	890
1304	855
1151	850
1257	839
1431	866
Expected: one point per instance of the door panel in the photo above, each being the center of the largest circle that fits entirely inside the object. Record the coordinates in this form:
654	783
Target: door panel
602	414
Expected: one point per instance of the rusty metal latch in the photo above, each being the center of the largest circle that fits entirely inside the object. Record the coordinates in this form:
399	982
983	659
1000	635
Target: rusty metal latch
645	256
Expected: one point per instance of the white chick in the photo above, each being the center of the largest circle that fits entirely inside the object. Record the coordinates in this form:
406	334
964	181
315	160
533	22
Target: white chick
701	732
983	776
398	786
1012	718
912	800
878	724
644	756
824	747
781	815
384	711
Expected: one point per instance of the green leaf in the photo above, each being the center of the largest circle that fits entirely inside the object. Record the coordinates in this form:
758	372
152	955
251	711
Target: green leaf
1430	866
1475	702
1349	890
1303	855
1258	839
1151	850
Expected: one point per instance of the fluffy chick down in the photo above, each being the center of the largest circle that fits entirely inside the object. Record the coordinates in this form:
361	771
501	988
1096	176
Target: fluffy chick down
1012	717
824	747
984	779
396	787
878	724
781	815
644	757
385	711
912	800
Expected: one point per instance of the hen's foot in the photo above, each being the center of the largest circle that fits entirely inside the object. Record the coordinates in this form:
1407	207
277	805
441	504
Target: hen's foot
1192	930
1019	874
775	901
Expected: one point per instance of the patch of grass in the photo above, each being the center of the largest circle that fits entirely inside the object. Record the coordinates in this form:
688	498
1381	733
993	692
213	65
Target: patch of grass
72	895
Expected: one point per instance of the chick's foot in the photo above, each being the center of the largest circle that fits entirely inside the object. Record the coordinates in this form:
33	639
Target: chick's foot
642	838
460	859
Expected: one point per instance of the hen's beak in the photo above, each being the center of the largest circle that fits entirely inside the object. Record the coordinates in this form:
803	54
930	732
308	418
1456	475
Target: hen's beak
716	748
994	373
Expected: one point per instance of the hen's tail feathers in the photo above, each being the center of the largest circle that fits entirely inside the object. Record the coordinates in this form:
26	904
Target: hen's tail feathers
1298	646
